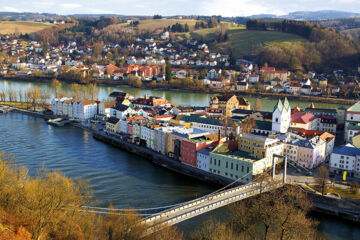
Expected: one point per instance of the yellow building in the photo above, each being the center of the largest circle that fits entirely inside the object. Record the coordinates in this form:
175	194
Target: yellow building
261	146
228	103
112	125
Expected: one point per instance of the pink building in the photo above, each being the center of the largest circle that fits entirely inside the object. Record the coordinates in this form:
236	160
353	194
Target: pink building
311	152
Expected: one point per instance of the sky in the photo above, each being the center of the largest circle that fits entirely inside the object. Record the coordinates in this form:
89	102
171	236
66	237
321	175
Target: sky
177	7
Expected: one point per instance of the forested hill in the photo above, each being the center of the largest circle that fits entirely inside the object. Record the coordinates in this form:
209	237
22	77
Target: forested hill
325	48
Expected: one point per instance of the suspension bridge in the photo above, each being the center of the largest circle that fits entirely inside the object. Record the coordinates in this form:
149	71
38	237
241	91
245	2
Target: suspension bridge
173	214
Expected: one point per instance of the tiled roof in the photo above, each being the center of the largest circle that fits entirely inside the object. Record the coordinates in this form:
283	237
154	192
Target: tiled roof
302	117
348	151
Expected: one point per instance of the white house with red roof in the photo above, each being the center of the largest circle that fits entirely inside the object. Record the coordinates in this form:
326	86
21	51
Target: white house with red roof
304	120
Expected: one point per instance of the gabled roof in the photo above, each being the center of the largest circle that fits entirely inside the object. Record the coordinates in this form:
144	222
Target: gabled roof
302	117
121	107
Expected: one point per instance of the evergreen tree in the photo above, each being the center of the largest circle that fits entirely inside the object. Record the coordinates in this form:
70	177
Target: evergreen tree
168	72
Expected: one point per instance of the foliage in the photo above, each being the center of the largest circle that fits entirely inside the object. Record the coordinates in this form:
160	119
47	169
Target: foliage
50	206
326	47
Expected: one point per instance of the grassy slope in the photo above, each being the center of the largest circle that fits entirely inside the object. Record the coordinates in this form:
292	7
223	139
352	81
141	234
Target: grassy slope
243	42
159	24
7	27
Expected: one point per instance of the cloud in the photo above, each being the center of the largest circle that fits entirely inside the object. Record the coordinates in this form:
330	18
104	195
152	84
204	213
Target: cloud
9	9
239	7
175	7
70	5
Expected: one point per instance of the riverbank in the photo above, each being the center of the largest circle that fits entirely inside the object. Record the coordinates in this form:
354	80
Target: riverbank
346	209
163	160
268	95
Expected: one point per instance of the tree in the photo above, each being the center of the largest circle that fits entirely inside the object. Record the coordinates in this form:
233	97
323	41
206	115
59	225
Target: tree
258	105
11	95
248	125
213	230
51	206
322	178
279	214
168	72
355	187
92	90
56	86
33	96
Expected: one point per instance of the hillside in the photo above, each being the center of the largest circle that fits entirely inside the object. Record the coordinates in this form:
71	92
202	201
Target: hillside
159	24
242	42
8	27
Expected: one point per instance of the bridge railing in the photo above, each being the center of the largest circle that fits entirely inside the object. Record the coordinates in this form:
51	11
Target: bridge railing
197	201
183	216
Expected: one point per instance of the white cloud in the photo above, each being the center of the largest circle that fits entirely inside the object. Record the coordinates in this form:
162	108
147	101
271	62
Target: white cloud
70	5
239	8
9	9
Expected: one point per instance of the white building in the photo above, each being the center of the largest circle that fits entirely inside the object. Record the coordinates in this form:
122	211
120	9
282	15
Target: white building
346	158
203	160
121	111
148	135
281	116
123	127
84	109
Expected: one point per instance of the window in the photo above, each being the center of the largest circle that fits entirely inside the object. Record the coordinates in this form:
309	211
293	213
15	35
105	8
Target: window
232	166
219	163
247	171
226	164
237	167
242	168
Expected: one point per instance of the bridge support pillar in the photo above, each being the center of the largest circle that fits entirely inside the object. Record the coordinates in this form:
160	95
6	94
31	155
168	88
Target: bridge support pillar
273	167
285	170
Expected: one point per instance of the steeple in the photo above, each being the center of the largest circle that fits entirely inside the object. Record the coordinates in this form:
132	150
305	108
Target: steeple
279	105
287	105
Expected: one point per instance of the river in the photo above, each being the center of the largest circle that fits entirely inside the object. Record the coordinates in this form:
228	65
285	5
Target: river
184	98
116	176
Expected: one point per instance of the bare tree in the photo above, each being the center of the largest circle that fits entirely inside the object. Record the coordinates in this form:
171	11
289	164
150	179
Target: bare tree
11	95
355	187
258	105
21	95
56	86
248	125
322	178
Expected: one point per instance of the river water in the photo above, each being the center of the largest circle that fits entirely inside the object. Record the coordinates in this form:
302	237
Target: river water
184	98
116	176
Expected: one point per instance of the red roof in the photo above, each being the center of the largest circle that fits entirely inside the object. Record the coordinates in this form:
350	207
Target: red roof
164	116
307	133
302	117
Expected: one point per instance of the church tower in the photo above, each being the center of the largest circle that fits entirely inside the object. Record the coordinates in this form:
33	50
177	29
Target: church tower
281	116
